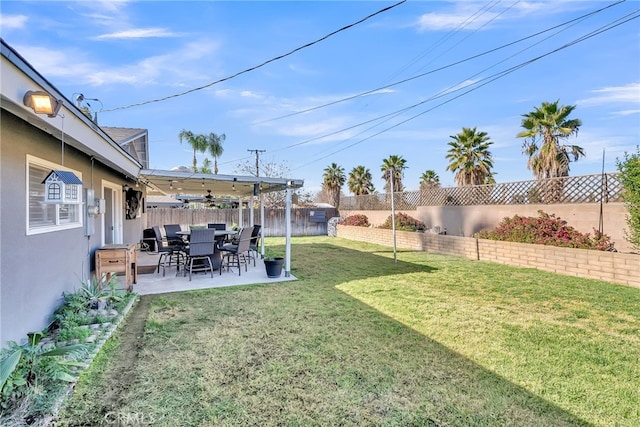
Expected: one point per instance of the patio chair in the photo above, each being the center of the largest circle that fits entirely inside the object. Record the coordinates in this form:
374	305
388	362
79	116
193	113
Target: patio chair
173	239
202	247
168	254
218	226
254	243
237	255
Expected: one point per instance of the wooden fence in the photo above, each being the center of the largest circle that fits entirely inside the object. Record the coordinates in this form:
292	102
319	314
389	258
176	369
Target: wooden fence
304	221
603	188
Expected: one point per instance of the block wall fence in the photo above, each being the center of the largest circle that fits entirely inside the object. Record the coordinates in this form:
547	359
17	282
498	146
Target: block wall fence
615	267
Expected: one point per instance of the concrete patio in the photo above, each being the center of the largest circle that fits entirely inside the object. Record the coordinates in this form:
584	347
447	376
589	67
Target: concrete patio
153	283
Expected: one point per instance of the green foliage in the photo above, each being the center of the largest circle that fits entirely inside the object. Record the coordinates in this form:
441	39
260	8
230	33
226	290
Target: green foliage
73	333
469	156
32	365
359	220
545	128
545	230
95	288
404	222
630	176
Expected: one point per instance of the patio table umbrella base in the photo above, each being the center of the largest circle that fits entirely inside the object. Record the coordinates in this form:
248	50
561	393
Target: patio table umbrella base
273	266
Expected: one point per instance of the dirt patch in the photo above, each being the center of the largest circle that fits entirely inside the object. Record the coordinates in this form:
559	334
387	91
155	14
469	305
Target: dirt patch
122	368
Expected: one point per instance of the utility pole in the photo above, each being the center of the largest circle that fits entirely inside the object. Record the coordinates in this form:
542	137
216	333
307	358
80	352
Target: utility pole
257	153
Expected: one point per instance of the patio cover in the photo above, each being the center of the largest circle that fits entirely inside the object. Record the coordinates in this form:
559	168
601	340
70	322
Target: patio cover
236	186
191	183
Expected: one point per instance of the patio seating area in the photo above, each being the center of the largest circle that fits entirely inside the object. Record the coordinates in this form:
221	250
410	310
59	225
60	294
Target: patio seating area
150	281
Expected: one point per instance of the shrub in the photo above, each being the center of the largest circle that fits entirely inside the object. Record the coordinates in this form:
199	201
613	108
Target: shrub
630	176
32	368
356	220
404	223
545	230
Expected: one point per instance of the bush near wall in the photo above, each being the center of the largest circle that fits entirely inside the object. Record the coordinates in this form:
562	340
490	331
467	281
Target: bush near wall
630	178
358	220
602	265
545	230
404	222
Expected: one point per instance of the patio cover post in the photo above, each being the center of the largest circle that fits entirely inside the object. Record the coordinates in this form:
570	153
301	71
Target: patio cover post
287	219
262	223
251	204
240	213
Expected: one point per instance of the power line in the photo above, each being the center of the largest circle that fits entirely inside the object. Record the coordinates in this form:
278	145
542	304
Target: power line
607	27
453	64
450	90
470	20
255	67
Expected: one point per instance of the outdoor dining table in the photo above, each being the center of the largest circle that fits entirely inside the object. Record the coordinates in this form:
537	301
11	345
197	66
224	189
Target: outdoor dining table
216	259
218	233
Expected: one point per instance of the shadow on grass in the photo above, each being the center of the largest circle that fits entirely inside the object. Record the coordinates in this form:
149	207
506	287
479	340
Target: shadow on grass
306	353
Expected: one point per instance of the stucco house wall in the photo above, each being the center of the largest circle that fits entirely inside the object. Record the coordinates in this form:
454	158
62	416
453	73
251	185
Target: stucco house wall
37	266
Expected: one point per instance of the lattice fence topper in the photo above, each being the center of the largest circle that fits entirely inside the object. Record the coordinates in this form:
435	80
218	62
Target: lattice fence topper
605	188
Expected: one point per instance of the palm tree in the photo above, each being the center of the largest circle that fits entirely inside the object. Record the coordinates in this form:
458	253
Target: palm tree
544	128
198	143
215	148
469	156
429	179
393	168
206	166
360	181
333	180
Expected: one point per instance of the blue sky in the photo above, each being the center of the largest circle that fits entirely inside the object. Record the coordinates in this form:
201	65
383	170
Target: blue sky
126	52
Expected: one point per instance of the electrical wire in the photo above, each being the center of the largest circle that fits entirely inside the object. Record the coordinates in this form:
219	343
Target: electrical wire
627	18
255	67
470	20
447	91
453	64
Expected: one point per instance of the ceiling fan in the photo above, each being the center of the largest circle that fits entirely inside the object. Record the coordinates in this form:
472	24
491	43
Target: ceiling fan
209	199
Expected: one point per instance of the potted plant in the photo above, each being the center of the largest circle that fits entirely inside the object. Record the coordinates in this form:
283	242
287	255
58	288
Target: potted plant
273	263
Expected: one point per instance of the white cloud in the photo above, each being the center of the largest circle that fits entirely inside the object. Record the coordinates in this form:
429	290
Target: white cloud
138	33
172	68
250	94
629	93
450	21
108	5
626	112
13	21
462	85
467	15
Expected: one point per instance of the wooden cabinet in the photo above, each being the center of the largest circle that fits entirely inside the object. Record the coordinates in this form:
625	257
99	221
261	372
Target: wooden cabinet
118	259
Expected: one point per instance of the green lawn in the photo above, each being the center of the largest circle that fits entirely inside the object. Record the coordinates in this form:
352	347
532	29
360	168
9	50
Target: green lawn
361	340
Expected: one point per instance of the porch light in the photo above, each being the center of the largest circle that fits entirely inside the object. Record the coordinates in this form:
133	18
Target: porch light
60	186
41	103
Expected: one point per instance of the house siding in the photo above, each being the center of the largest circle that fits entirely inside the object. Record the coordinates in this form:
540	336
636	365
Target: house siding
36	269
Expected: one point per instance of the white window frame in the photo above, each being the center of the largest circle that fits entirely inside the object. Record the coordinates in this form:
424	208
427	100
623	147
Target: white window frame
35	161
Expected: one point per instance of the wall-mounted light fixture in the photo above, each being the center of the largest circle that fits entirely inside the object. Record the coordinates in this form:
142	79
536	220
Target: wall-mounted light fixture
60	186
42	103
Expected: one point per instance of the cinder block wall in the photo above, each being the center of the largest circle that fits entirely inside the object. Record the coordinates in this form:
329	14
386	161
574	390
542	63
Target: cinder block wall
609	266
468	220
